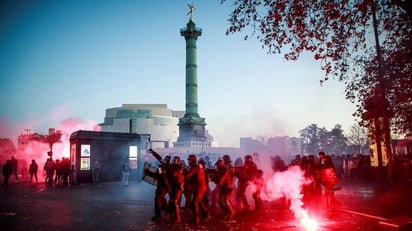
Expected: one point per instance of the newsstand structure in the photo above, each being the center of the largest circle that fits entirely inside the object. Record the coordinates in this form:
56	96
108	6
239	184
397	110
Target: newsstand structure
111	150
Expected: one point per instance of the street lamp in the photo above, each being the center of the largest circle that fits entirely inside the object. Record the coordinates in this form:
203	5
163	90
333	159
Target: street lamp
203	139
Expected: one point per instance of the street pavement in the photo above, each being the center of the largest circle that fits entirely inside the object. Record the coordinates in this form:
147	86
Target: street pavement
363	206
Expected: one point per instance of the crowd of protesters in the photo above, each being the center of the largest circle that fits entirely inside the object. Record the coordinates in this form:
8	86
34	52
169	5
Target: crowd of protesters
10	168
359	167
231	181
348	167
320	173
57	172
192	181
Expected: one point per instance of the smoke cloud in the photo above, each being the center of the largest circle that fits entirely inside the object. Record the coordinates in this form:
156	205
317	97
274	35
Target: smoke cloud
36	148
67	127
288	184
260	121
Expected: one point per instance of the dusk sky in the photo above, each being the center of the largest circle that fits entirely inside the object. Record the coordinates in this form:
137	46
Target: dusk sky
73	59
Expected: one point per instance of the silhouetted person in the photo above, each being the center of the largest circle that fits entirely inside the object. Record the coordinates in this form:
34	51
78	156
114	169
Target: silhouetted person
214	194
14	168
177	178
196	176
310	174
258	182
57	172
207	193
329	180
49	167
71	175
322	157
228	165
125	173
163	186
33	171
224	178
96	172
7	170
209	163
65	165
319	167
245	175
188	193
278	165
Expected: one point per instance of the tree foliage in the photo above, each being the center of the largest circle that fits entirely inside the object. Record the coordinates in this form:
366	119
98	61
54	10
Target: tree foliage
50	139
337	140
385	87
358	138
321	27
311	137
340	34
315	139
334	31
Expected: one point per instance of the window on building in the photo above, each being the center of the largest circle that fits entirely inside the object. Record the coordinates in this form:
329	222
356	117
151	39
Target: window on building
133	157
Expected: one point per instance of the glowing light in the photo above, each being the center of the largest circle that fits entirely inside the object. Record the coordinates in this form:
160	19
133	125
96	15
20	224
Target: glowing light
289	184
308	223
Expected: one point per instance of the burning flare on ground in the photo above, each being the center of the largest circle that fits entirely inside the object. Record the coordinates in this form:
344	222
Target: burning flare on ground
288	184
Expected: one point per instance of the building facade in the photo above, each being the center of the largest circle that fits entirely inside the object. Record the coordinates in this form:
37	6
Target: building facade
111	150
154	119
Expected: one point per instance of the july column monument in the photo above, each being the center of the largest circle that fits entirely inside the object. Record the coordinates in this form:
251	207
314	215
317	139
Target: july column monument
191	127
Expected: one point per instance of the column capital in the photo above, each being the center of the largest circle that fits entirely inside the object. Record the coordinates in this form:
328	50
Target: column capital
191	31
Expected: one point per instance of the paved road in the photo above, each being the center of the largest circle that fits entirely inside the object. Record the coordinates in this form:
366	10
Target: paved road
110	207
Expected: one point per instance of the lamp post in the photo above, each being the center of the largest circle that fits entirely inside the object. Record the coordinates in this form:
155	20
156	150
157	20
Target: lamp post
381	121
202	144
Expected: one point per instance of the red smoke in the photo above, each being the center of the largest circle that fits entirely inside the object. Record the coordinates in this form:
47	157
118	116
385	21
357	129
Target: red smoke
289	184
67	127
36	146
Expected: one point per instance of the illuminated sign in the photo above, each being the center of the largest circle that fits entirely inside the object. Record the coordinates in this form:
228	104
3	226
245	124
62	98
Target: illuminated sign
85	157
85	150
85	164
